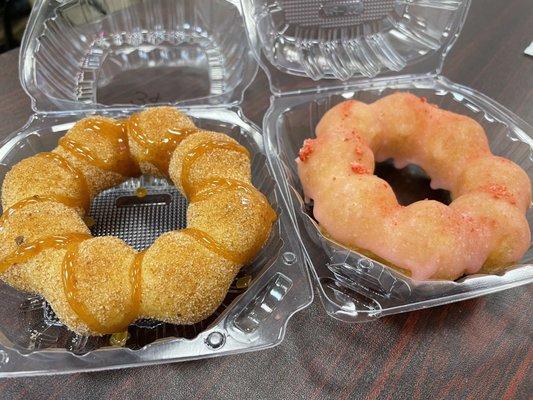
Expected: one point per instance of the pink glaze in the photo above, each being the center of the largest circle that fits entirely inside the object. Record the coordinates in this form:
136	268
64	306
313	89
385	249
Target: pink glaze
484	227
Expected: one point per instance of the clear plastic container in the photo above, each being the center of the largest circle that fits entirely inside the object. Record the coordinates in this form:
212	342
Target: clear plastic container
113	57
75	59
319	53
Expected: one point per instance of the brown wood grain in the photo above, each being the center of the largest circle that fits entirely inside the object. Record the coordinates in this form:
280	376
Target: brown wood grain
477	349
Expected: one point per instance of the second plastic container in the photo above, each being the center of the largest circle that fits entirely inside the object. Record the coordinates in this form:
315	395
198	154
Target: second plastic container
319	53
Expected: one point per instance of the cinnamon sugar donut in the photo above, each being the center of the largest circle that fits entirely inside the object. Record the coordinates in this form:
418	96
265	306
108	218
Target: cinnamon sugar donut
101	285
483	229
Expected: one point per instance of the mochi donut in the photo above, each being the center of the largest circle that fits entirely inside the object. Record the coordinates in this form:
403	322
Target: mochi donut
100	285
483	229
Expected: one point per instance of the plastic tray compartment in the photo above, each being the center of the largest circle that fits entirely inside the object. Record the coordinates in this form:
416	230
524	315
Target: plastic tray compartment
352	286
84	58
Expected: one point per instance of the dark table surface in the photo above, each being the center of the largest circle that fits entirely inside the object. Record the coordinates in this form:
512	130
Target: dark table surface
480	348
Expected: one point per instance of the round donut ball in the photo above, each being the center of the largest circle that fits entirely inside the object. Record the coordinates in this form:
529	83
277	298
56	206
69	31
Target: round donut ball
364	199
433	241
29	224
497	176
155	125
102	274
332	157
402	117
216	163
182	281
504	229
42	176
350	117
101	139
451	142
239	220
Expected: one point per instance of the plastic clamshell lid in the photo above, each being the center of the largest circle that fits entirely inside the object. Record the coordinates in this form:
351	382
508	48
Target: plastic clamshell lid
83	54
335	43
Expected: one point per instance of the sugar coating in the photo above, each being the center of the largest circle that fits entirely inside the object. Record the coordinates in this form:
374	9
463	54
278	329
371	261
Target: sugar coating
97	178
484	228
181	280
38	176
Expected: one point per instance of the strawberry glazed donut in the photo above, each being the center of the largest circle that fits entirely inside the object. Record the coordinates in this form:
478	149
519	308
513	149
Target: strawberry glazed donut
483	229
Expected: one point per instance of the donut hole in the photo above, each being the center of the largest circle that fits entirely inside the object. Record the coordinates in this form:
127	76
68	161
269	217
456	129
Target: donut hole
138	211
410	184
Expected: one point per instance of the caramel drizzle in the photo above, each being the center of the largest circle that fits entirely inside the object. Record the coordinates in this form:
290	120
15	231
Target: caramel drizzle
211	244
68	201
71	291
211	186
25	252
157	153
200	150
116	133
85	200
